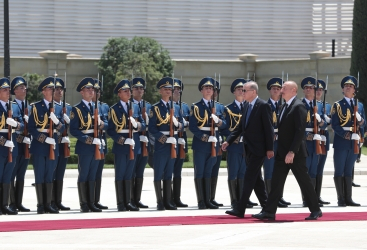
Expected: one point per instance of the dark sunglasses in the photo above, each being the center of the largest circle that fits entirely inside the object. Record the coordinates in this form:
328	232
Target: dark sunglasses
244	90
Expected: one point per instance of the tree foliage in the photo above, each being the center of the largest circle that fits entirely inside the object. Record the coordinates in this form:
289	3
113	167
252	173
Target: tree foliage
139	57
33	80
359	47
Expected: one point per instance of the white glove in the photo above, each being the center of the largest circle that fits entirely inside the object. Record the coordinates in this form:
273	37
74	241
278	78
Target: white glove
99	121
50	140
358	116
66	118
327	119
11	122
181	141
103	142
54	118
175	122
355	137
129	141
220	139
96	141
65	139
241	139
143	138
215	118
26	140
316	137
9	144
171	140
26	118
186	123
212	139
318	118
276	137
323	138
146	119
133	122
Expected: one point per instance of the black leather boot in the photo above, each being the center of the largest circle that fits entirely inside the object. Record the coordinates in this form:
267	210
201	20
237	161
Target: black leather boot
19	187
313	181
1	198
167	195
339	186
127	187
119	187
199	187
268	189
138	187
132	194
355	184
207	193
53	197
48	207
213	191
240	183
158	193
97	203
348	192
12	200
58	198
83	194
5	206
177	192
232	187
318	189
39	193
91	196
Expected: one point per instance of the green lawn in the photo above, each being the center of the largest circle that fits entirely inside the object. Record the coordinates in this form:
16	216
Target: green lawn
364	150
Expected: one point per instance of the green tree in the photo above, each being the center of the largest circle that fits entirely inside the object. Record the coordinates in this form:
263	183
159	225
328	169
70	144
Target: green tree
359	47
139	57
33	80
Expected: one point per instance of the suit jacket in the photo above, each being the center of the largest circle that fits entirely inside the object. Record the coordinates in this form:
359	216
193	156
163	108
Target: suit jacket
258	134
291	131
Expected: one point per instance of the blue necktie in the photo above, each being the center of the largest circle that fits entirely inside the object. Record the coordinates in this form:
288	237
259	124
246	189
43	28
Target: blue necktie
249	109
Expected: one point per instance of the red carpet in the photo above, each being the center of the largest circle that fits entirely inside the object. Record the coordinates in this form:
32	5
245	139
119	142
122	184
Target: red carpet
166	221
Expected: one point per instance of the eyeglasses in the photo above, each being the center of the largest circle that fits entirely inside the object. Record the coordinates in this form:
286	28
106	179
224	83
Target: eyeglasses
244	90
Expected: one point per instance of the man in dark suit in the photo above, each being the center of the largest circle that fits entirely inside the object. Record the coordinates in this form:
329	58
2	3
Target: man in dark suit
291	154
258	134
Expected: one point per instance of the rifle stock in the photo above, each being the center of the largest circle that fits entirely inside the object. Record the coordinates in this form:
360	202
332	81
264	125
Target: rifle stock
131	152
97	152
355	128
171	133
51	132
25	132
64	133
144	144
212	133
315	130
10	131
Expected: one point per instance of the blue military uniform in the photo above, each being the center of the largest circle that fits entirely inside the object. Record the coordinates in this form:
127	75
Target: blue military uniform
8	144
342	122
163	164
200	125
82	127
118	129
140	160
21	163
43	165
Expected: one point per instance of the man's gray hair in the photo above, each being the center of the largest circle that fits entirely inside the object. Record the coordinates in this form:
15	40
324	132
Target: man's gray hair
253	85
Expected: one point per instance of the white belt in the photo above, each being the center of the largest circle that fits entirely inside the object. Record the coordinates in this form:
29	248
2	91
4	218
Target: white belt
208	129
311	129
45	130
5	130
88	131
348	128
125	131
167	132
275	130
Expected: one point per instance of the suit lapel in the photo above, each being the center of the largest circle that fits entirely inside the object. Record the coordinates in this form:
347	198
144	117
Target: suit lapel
287	111
253	111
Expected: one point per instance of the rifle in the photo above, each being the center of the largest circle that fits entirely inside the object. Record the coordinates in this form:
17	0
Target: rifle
97	152
180	134
101	132
51	127
25	132
10	130
131	127
218	90
315	126
65	132
355	127
281	99
212	128
171	129
324	109
143	132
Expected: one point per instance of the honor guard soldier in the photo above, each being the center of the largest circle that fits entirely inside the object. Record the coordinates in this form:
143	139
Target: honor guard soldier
62	160
84	125
184	111
274	86
236	165
165	140
345	123
138	90
204	125
19	89
313	138
11	119
326	107
103	111
124	121
45	115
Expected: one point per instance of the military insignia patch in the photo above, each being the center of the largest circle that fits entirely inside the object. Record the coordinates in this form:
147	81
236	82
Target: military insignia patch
72	115
150	113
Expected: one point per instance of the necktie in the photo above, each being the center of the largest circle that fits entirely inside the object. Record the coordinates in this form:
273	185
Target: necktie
311	105
284	109
241	107
23	107
276	107
91	108
168	107
139	106
209	105
7	106
352	104
249	109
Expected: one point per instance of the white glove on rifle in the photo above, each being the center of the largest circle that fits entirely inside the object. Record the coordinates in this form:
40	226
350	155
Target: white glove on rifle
97	141
54	118
323	138
26	118
318	118
26	140
181	141
146	119
9	144
171	140
212	139
65	139
143	138
215	118
133	122
66	118
355	137
220	139
99	121
358	116
103	142
11	122
129	141
327	119
175	122
316	137
186	123
50	140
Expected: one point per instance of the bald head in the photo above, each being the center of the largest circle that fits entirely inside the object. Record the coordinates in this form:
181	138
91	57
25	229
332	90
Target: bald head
289	90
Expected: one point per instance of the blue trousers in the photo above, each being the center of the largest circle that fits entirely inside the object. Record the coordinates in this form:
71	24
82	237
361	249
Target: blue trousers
344	162
269	164
163	166
60	168
203	164
124	167
87	168
6	170
216	167
20	168
311	164
178	167
100	169
43	169
321	164
236	166
140	163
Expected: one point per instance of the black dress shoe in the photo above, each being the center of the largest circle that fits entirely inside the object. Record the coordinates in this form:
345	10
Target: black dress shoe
252	203
235	212
280	204
249	205
264	216
141	205
314	215
321	201
355	184
100	206
284	201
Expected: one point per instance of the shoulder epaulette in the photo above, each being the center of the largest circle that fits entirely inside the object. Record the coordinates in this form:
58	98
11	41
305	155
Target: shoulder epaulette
155	104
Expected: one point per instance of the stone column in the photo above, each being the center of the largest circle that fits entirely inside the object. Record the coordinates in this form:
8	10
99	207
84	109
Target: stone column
56	61
250	64
314	57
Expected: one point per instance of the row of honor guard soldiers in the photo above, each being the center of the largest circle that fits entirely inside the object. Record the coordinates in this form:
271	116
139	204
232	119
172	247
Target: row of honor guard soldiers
128	124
